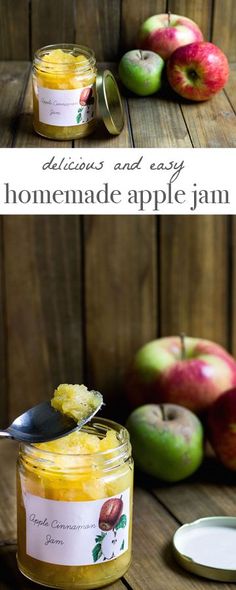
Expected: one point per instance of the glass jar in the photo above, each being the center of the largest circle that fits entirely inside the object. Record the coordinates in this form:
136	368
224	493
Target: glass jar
64	91
74	513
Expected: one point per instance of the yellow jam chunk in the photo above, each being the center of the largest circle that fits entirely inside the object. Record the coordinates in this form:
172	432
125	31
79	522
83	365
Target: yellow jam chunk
81	443
61	70
76	401
58	56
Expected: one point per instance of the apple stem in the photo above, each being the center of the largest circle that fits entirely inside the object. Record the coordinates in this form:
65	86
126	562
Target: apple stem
169	17
183	347
163	412
141	53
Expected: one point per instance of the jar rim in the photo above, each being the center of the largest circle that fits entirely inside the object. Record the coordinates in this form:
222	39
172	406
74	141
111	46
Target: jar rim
63	66
96	426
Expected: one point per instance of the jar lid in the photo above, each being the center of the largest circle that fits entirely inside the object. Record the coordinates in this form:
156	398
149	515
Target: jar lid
110	102
206	547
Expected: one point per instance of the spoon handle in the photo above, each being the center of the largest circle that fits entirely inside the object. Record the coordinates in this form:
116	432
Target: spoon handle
4	434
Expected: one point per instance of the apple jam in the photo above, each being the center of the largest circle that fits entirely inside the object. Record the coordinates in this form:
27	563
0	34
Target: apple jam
64	91
76	401
74	506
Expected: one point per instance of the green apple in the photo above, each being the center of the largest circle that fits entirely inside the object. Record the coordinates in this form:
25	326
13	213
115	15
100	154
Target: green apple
141	71
167	441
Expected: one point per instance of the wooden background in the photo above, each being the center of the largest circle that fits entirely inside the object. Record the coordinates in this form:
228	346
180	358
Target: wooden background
26	25
79	295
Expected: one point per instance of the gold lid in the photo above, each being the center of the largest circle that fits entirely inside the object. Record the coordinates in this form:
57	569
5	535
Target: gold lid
206	547
110	102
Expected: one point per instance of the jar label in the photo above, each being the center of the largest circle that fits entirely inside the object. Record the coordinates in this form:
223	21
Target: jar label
77	533
66	108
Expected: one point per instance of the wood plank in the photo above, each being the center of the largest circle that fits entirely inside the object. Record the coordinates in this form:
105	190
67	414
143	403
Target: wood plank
211	124
44	305
224	25
8	455
230	87
157	122
25	135
98	27
162	124
120	298
10	577
3	352
153	564
14	27
194	296
210	492
133	15
52	22
13	77
200	11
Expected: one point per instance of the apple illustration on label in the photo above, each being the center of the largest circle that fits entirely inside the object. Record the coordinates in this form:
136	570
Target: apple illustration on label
187	371
141	71
163	33
86	97
112	545
167	441
110	513
221	428
198	71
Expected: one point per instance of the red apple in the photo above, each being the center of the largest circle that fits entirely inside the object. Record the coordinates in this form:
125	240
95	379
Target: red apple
198	71
163	33
189	372
221	428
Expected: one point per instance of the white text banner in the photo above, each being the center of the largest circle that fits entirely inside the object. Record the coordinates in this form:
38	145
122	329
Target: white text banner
117	181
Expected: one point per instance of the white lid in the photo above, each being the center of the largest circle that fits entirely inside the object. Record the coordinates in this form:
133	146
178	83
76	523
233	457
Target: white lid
207	547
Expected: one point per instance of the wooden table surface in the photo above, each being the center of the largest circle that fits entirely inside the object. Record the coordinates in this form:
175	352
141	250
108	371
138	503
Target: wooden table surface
158	512
149	122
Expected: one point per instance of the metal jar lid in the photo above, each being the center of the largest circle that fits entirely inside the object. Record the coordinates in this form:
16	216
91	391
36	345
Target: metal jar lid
110	102
207	547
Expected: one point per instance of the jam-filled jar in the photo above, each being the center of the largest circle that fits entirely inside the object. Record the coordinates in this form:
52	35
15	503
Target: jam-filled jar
75	508
66	89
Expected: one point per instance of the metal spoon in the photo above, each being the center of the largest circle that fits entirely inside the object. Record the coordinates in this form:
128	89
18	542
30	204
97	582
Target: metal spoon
43	423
